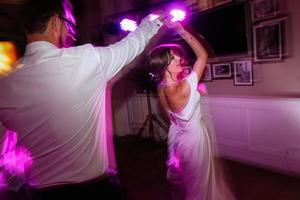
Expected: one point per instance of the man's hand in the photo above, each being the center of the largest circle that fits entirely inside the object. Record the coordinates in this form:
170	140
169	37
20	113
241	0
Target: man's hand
163	17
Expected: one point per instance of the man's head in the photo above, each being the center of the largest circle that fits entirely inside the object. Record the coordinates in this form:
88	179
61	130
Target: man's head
50	20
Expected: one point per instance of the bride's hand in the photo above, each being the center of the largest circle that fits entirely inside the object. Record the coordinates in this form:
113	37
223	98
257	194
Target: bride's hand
177	26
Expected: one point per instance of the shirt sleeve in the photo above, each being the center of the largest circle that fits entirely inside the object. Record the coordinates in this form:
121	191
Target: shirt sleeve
117	55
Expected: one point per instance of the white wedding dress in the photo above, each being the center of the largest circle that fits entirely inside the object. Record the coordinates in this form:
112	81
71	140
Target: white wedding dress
191	169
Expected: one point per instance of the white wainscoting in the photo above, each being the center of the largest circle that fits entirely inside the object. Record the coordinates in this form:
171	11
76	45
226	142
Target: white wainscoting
260	131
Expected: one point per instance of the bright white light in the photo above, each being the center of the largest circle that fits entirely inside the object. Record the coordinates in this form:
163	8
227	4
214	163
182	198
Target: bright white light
153	17
128	25
178	15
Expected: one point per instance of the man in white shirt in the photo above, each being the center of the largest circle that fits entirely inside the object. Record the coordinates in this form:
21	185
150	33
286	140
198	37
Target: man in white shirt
55	100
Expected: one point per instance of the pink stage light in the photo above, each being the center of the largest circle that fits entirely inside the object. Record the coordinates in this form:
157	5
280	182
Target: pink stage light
128	25
14	160
178	15
174	162
2	181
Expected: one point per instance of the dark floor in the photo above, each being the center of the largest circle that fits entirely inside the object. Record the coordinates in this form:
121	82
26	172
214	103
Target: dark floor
142	172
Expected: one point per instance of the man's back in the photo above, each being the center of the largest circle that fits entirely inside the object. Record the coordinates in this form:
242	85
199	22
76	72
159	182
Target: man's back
54	101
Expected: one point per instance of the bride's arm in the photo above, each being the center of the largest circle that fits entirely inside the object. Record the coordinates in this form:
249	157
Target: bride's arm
196	46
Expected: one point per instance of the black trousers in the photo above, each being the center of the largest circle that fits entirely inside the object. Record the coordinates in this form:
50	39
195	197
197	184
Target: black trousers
107	188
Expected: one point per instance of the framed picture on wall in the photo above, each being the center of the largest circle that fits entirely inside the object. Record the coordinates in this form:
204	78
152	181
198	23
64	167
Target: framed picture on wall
221	2
267	38
221	70
207	76
264	9
243	72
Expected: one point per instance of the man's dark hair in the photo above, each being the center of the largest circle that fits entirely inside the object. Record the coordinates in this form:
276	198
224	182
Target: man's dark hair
36	14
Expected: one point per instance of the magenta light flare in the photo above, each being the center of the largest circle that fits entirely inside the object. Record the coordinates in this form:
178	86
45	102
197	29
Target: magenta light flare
178	15
174	161
2	181
70	17
14	160
70	23
128	25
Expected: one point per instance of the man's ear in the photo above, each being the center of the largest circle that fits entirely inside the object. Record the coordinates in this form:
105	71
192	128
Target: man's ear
55	25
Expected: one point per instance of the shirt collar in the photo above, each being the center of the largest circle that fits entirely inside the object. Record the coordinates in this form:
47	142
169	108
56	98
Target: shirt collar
37	46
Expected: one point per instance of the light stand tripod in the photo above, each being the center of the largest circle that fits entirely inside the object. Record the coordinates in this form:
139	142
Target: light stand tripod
150	119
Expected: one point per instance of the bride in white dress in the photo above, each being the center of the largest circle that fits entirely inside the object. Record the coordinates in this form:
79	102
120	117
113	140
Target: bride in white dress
191	169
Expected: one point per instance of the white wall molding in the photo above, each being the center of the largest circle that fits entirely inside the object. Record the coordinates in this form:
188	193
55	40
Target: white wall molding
260	131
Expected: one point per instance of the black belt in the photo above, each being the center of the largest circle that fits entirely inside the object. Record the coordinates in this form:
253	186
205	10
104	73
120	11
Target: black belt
104	185
88	182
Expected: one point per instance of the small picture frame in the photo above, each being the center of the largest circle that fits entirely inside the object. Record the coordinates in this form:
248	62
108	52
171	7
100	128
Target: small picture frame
221	70
243	72
264	9
267	38
221	2
207	75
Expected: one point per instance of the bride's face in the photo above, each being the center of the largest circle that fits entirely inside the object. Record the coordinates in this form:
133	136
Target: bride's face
175	65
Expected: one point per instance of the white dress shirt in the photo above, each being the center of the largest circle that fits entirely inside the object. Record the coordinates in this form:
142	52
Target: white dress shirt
55	101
